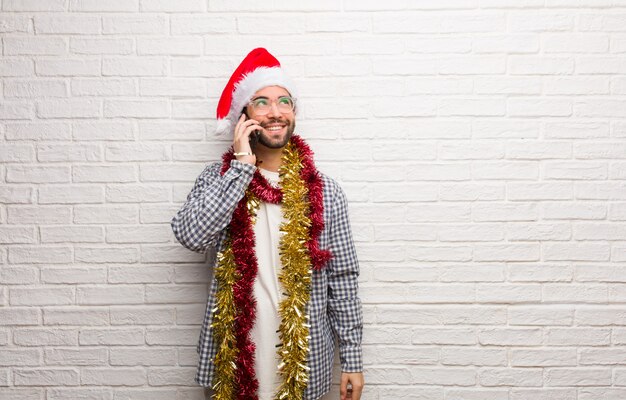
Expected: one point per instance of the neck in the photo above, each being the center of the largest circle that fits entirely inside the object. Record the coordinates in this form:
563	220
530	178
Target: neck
267	158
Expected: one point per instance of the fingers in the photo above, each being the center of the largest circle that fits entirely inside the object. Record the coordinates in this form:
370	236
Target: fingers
244	127
343	387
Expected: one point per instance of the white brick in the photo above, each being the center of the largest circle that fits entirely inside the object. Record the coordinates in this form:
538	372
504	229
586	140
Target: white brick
567	210
594	316
40	255
510	336
68	67
511	377
38	131
202	24
340	22
166	6
191	109
112	377
67	24
540	191
185	46
105	214
470	356
576	130
179	131
35	46
542	315
134	66
101	46
539	231
142	315
142	274
68	152
14	23
510	128
104	173
21	394
41	296
20	316
139	234
17	234
112	337
544	65
152	394
489	211
38	215
136	152
103	87
509	171
19	357
130	193
580	85
74	357
16	110
102	131
599	150
577	377
22	275
137	24
492	293
111	5
74	275
537	150
569	293
175	294
129	356
107	255
51	337
112	294
78	316
451	336
601	393
15	194
172	336
35	89
63	194
577	337
80	393
34	5
173	87
68	109
46	377
137	109
17	67
576	251
176	173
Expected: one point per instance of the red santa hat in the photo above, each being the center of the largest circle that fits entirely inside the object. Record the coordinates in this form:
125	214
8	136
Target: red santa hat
258	70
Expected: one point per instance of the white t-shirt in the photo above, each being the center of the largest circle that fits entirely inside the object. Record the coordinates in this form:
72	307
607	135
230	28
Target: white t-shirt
268	293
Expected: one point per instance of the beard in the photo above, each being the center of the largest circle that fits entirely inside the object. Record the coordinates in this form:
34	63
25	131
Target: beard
281	142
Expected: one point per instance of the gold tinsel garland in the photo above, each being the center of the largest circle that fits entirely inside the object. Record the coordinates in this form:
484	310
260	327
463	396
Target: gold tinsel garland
295	278
224	324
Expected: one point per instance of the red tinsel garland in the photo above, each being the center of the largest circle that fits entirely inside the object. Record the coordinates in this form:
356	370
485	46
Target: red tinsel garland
243	244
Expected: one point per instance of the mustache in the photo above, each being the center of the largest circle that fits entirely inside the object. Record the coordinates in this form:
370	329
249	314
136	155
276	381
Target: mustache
274	121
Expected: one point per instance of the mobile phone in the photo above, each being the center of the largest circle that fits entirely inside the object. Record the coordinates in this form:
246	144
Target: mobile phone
254	136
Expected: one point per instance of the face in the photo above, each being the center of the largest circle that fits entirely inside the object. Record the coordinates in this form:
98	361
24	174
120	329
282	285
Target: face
277	127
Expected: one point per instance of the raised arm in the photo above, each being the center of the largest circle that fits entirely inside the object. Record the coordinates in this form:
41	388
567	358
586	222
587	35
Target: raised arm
210	204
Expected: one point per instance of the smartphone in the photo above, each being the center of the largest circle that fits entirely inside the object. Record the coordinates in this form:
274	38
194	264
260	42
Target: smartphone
254	136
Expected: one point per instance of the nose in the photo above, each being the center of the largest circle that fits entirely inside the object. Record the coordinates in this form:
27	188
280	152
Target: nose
274	110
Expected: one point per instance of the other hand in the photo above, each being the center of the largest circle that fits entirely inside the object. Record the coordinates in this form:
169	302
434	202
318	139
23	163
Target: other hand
355	381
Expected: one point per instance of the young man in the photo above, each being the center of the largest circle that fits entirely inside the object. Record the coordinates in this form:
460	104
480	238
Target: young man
285	281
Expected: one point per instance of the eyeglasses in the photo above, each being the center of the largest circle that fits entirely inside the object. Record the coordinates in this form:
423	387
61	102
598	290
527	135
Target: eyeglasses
263	105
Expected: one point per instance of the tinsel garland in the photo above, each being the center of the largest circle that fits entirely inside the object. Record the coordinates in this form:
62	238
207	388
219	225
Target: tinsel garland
235	312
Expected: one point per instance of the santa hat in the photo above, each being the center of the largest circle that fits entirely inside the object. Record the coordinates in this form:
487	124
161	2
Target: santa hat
258	70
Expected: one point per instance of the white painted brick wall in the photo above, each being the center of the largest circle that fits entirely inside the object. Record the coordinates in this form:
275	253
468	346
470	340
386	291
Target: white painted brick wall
481	144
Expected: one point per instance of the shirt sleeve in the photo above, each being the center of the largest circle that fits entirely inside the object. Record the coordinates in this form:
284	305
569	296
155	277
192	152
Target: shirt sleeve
344	305
210	204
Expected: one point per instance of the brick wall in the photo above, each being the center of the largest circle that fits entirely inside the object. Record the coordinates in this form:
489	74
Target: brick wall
481	144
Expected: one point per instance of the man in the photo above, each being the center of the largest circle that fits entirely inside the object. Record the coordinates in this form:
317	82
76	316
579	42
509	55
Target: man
285	282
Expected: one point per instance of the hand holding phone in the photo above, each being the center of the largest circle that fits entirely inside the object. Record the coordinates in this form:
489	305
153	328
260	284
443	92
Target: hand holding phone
245	139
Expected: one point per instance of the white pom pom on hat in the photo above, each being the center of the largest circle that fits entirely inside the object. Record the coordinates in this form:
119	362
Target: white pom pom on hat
258	70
